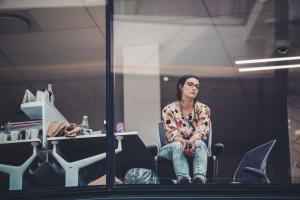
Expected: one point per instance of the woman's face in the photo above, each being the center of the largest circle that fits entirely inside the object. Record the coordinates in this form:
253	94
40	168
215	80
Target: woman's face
190	88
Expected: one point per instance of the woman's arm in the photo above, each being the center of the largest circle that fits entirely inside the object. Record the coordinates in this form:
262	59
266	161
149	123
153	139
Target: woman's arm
202	125
171	128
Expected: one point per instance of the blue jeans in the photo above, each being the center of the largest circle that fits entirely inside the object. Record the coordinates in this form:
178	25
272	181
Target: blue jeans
173	152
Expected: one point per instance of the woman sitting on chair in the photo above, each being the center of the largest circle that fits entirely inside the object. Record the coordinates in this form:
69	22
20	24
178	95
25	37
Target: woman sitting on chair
187	125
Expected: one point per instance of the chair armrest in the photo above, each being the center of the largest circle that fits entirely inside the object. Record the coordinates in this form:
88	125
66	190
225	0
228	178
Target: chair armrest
218	148
255	172
162	160
153	150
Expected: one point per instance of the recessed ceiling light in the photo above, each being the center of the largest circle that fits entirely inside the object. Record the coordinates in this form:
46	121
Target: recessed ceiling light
165	78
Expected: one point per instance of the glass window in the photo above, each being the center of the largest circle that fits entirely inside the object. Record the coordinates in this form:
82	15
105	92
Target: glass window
52	63
205	91
250	103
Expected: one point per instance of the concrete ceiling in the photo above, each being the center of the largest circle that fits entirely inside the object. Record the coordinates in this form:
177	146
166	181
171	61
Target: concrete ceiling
193	34
204	35
61	36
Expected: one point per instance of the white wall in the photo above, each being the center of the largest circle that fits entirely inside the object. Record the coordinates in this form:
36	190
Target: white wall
142	90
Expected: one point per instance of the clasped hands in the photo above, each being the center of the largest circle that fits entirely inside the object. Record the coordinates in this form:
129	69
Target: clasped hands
188	146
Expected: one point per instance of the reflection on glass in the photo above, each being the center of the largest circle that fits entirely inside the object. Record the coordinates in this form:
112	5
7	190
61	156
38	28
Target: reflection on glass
157	42
52	63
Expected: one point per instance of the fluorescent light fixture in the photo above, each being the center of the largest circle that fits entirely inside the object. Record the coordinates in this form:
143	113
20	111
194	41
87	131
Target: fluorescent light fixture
265	60
251	69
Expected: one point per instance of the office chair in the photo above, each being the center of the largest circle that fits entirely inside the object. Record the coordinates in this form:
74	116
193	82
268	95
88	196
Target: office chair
164	167
252	167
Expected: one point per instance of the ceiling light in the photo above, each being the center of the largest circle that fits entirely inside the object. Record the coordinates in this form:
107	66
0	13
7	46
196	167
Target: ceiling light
265	60
250	69
166	78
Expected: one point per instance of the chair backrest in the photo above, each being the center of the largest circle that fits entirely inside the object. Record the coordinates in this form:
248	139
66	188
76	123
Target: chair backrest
162	133
256	158
162	136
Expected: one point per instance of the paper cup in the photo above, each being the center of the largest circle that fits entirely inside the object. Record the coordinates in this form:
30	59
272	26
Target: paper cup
14	135
27	135
3	137
34	133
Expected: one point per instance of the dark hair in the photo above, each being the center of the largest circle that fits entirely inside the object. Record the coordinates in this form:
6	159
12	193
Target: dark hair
181	82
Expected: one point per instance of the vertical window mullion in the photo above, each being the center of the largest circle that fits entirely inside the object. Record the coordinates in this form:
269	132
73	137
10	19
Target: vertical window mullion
110	146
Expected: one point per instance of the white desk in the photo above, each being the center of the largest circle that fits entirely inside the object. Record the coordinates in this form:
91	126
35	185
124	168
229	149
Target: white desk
20	141
88	136
16	172
72	168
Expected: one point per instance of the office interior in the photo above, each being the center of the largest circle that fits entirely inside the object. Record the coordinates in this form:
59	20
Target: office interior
154	43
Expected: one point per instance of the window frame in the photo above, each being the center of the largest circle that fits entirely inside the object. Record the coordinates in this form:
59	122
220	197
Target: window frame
111	191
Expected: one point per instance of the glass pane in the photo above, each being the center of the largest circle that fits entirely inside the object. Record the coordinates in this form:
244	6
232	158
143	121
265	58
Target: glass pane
253	112
52	64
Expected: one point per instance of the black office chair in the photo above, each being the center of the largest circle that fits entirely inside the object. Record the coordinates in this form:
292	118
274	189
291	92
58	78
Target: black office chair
164	167
252	167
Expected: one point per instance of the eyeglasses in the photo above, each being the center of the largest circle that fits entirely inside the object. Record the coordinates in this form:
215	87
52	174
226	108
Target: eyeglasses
191	85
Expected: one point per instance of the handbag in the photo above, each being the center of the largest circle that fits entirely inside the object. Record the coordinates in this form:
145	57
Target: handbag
57	129
72	130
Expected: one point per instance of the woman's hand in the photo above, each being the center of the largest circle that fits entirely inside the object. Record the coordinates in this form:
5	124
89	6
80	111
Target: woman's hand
182	141
190	150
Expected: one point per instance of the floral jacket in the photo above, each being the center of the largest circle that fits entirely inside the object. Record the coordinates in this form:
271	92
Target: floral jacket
195	124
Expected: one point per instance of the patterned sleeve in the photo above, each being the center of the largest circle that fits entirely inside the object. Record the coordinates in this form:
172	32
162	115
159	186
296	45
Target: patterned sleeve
202	124
170	124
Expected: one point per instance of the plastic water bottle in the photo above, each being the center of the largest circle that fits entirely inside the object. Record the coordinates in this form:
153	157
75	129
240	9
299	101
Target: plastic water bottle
85	123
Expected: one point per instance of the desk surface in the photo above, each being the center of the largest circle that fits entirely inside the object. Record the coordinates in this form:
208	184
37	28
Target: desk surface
89	136
134	152
75	148
16	152
20	141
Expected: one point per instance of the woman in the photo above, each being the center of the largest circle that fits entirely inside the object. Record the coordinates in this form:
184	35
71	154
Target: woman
187	125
